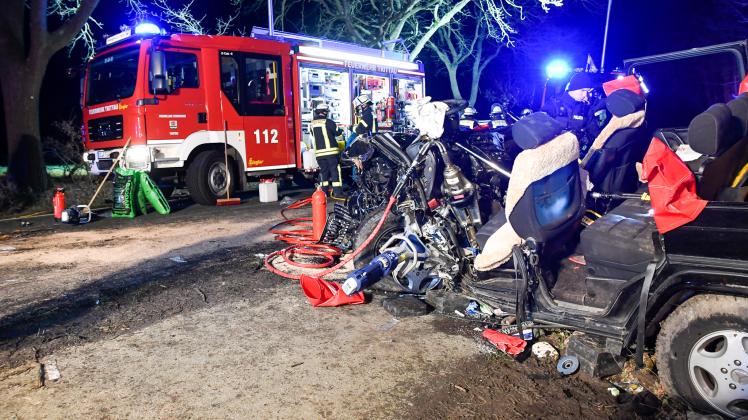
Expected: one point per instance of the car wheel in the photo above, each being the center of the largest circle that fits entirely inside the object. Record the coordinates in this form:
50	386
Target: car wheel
207	177
702	354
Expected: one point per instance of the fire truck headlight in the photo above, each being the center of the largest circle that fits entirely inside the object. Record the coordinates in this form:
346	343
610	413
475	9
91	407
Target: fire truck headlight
137	156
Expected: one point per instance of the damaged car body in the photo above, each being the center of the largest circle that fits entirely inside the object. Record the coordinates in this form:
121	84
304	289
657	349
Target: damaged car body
627	282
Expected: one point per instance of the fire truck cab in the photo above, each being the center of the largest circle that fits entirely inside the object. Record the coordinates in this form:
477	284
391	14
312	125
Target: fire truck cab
179	97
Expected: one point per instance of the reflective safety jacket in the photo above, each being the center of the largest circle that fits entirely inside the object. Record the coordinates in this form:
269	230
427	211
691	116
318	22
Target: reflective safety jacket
365	122
323	135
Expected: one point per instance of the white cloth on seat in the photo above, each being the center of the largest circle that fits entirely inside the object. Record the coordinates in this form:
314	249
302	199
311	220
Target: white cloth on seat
531	165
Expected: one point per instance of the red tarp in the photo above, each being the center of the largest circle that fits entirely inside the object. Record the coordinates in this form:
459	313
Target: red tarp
672	188
327	293
509	344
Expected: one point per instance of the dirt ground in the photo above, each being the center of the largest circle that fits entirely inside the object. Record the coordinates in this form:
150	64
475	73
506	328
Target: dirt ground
175	317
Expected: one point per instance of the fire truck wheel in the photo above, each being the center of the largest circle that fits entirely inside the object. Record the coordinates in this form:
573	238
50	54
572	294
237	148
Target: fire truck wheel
702	354
206	177
392	225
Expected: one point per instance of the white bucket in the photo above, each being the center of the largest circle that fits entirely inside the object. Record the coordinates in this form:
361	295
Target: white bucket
268	192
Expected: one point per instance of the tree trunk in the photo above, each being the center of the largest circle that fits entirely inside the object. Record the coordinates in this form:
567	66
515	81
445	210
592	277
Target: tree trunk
21	86
453	82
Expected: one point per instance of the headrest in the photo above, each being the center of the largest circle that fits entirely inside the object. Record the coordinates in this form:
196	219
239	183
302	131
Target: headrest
712	132
739	109
629	82
623	102
535	129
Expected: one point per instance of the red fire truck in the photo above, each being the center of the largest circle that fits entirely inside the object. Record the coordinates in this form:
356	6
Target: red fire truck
179	97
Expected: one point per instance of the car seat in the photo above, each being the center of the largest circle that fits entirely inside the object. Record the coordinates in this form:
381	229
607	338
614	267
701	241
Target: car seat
544	197
611	160
720	134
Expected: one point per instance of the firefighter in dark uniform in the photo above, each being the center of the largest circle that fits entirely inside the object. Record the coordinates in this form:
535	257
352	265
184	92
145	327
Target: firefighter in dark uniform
467	121
324	132
580	109
365	121
498	117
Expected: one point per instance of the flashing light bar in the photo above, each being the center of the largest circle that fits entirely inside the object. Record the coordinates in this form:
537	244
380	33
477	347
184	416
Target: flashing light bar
342	55
414	73
320	60
143	29
147	28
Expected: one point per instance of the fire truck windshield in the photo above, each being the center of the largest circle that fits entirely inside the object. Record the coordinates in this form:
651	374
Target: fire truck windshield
112	76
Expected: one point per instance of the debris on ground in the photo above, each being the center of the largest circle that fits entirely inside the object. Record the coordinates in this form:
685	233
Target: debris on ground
406	306
544	351
645	377
472	310
286	201
7	248
178	259
510	329
51	373
509	344
321	292
568	365
643	403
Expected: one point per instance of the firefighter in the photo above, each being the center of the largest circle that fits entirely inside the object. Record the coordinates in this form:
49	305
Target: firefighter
580	109
498	117
366	122
324	132
467	121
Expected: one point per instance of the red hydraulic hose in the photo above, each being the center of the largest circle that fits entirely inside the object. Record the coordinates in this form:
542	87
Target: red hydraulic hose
283	252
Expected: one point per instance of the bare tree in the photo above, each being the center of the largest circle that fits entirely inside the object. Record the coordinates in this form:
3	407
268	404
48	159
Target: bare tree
26	46
180	16
415	22
455	49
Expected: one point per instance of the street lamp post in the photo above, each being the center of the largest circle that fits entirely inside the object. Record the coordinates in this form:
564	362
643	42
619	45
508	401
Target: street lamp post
605	36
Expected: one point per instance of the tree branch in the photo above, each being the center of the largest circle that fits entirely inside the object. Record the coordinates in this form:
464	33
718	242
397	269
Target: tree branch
65	33
435	26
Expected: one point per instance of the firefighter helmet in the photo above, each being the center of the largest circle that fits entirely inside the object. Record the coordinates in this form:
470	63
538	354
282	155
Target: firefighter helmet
469	112
361	100
525	112
497	112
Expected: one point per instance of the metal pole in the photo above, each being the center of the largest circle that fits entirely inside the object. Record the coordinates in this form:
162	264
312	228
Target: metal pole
605	37
271	19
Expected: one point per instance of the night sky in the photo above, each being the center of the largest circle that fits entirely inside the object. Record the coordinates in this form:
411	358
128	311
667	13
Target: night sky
637	28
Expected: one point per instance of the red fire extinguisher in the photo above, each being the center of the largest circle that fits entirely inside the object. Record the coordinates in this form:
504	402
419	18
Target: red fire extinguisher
390	108
58	203
319	213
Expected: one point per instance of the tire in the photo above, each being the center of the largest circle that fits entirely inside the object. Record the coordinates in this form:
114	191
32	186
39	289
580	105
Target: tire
204	177
392	225
692	358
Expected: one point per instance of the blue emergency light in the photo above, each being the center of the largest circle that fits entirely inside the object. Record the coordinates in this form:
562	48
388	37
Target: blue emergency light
147	28
557	69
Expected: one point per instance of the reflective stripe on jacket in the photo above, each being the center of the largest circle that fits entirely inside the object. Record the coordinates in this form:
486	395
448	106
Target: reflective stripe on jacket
323	136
